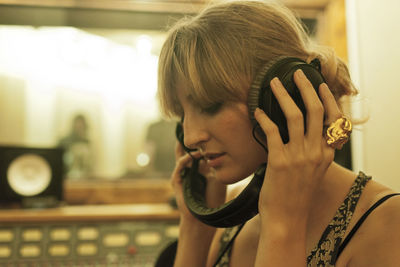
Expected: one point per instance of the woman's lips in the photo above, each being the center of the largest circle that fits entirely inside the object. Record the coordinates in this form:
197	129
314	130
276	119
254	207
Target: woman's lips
214	159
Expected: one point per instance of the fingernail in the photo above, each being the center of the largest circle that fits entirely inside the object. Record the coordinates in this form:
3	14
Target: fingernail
300	73
323	86
257	111
275	81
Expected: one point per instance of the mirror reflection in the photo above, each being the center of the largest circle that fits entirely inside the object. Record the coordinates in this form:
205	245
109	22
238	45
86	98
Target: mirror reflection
90	91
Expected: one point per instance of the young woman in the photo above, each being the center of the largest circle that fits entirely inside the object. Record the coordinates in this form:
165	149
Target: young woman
308	204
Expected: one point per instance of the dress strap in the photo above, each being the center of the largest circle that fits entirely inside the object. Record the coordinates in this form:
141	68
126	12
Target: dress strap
228	237
360	221
324	253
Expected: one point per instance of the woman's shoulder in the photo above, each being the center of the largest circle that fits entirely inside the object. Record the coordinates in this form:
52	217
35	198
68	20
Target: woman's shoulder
377	239
374	193
382	204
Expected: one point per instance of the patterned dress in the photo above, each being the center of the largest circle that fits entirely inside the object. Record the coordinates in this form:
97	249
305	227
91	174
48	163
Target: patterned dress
325	253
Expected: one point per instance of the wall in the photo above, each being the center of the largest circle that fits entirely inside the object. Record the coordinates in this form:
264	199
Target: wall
373	29
12	110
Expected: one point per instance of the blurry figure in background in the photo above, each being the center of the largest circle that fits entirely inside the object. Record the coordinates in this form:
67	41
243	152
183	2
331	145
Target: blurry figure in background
160	143
77	155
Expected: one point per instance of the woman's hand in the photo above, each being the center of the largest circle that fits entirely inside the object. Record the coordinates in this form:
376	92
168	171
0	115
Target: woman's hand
295	169
195	237
215	193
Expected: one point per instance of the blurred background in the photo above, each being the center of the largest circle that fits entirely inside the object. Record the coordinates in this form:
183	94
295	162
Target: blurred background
81	75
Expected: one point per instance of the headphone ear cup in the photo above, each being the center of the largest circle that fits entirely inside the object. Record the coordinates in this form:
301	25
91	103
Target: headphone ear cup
256	92
261	96
257	88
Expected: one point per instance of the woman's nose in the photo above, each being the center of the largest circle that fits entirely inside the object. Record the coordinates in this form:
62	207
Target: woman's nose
194	134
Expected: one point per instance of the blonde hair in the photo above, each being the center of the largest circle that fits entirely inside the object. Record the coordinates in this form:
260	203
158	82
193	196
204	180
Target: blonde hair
217	53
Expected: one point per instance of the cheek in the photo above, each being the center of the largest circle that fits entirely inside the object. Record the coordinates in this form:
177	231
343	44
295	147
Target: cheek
245	155
238	130
247	149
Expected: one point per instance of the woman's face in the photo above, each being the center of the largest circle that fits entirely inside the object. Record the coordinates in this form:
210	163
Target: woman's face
223	134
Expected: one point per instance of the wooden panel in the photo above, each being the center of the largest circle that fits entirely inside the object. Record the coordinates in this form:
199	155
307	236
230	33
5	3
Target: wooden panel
145	6
91	213
169	6
332	27
117	191
149	14
306	4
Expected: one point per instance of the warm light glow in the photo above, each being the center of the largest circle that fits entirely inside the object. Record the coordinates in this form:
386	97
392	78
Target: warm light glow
143	159
144	45
75	59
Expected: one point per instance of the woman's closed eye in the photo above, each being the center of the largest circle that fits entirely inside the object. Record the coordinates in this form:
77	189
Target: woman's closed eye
212	109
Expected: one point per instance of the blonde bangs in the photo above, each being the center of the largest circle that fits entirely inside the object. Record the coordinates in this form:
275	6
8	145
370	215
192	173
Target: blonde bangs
214	77
204	65
168	70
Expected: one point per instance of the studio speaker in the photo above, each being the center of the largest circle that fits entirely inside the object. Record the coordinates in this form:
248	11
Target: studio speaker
31	176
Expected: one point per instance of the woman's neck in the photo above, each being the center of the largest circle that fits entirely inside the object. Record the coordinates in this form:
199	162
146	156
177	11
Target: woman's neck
330	194
336	181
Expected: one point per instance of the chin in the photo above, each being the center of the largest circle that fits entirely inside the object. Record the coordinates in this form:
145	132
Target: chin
230	176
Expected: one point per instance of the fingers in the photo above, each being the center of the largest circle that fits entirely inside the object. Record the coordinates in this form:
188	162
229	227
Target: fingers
274	140
179	165
293	115
332	110
314	107
181	162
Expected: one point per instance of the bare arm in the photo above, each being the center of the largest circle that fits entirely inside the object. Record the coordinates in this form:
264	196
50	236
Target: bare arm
193	244
293	172
195	237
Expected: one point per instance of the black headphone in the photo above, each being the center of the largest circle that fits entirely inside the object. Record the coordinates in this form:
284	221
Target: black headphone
245	205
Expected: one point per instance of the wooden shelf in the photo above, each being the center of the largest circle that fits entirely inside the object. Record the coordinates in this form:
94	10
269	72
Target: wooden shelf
124	191
91	213
165	6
